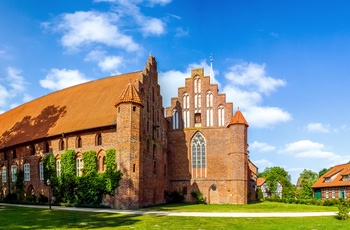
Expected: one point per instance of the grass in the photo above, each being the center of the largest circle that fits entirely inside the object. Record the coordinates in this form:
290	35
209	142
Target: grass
254	207
35	218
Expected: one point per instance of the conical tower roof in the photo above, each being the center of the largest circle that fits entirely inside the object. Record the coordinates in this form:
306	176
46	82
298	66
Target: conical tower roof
238	118
129	95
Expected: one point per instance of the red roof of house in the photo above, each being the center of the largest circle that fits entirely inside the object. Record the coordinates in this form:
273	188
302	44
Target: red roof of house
80	107
260	181
337	172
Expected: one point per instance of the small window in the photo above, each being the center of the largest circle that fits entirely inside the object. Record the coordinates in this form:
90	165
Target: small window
133	168
31	150
26	172
3	174
61	144
98	139
14	173
79	142
134	108
80	166
41	170
58	168
47	147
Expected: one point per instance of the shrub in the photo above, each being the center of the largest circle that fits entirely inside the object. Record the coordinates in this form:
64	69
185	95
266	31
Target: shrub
174	197
198	196
343	210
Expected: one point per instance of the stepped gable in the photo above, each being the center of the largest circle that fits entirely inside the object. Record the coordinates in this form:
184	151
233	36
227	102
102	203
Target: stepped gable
129	94
81	107
238	118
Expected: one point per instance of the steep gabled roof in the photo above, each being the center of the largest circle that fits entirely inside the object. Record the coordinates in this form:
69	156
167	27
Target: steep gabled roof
238	118
260	181
334	177
84	106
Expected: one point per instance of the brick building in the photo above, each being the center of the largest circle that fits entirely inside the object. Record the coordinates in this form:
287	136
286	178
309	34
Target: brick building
200	145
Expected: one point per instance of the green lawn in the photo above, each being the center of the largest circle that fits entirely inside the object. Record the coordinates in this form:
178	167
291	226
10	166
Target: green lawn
254	207
36	218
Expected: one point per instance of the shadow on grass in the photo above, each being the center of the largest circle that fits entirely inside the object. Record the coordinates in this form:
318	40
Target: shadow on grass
32	218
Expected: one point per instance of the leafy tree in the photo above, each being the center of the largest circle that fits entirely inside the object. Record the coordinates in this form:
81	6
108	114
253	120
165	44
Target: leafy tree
307	179
277	174
322	172
68	176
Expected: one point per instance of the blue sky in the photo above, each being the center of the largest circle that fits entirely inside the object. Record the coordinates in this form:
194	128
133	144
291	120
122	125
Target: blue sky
285	65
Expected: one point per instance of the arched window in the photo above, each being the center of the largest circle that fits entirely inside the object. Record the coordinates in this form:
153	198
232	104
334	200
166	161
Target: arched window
185	101
78	142
47	147
209	117
31	149
209	99
198	151
41	170
101	161
221	115
197	92
197	84
3	174
98	139
61	145
175	119
58	167
80	165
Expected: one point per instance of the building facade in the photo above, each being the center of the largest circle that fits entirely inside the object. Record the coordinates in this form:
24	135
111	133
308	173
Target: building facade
199	145
334	184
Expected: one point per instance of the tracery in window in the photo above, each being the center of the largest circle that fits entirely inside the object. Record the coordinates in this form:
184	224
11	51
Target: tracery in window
198	151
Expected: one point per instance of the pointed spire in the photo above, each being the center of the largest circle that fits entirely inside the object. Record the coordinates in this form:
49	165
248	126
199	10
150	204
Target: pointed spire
238	118
211	74
129	94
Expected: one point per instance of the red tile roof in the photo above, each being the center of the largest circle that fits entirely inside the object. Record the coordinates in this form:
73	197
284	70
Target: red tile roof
260	181
238	118
80	107
129	94
337	172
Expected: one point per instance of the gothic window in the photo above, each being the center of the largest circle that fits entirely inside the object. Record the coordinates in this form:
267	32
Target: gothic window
58	168
101	163
209	99
198	150
31	149
197	92
80	166
47	147
26	172
175	119
14	173
61	145
98	139
197	84
221	116
3	174
41	170
185	101
186	117
78	142
209	117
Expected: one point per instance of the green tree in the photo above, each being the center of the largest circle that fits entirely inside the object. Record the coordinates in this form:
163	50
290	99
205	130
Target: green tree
277	174
307	178
322	172
68	176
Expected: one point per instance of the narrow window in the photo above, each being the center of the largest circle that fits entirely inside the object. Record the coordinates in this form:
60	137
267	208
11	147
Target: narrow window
47	147
61	144
31	150
133	168
79	142
58	168
175	119
26	172
98	139
14	173
221	116
80	166
3	175
41	170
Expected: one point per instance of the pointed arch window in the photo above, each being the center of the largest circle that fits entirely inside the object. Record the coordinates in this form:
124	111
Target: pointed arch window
221	115
209	99
175	119
14	173
47	147
98	139
41	170
186	112
78	142
58	168
61	145
198	152
185	101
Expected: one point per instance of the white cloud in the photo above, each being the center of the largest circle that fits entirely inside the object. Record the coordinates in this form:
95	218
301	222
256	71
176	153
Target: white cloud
264	116
153	26
84	28
262	164
15	80
181	32
302	146
160	2
4	94
254	76
58	79
318	128
261	147
110	63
